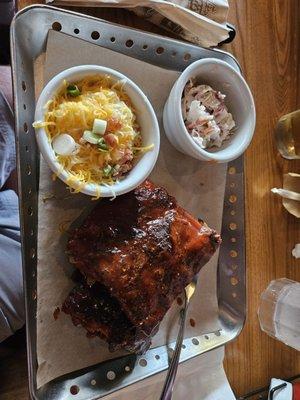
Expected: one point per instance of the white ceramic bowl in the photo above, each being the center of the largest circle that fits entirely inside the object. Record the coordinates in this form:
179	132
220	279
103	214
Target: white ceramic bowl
145	116
224	78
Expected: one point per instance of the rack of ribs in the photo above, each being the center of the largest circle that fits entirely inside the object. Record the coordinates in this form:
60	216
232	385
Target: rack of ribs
135	254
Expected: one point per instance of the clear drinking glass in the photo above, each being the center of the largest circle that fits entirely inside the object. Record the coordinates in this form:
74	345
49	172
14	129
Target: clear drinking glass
279	311
287	134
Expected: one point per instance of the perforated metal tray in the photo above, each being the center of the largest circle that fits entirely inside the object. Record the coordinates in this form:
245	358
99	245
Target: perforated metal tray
28	40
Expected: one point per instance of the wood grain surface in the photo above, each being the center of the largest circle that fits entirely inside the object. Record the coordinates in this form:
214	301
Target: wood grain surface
268	48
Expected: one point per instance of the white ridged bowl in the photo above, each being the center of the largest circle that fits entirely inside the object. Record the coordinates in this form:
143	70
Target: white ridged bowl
145	115
224	78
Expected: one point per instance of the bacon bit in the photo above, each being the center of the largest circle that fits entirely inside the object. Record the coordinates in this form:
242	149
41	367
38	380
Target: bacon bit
111	139
56	313
124	168
128	156
113	125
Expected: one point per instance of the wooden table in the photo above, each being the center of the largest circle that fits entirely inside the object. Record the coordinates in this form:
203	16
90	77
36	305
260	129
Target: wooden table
267	45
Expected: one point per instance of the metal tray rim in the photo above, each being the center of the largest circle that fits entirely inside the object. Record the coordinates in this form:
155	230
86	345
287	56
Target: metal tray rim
31	362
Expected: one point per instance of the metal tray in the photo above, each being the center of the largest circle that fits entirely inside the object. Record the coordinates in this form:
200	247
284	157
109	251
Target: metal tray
28	40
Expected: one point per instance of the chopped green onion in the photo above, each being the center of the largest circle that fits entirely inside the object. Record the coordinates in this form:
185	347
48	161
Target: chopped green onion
73	90
90	137
102	144
107	170
99	126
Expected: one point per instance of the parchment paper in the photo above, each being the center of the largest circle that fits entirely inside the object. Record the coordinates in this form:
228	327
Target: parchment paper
198	187
199	21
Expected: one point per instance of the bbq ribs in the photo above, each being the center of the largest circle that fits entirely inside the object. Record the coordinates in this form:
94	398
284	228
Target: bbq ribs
136	255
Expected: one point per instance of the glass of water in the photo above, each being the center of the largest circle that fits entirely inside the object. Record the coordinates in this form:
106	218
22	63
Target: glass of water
279	311
287	134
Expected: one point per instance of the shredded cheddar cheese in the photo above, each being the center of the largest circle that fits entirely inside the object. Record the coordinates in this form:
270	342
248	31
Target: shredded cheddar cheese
100	98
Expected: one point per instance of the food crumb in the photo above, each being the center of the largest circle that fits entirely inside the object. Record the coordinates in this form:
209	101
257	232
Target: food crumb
63	226
48	196
56	313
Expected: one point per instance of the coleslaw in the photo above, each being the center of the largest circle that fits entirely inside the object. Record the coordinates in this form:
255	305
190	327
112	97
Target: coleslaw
205	115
